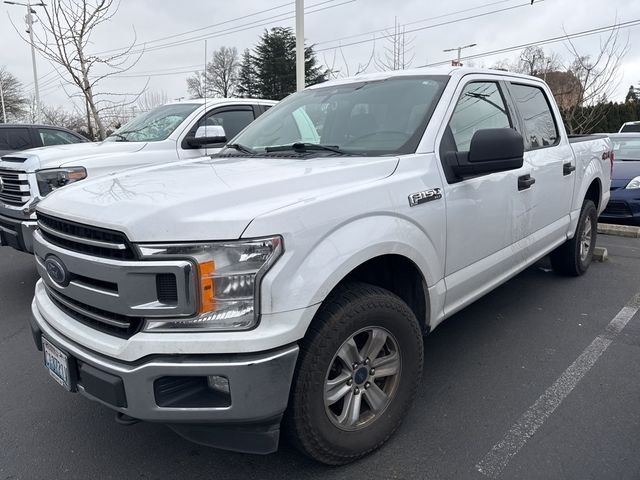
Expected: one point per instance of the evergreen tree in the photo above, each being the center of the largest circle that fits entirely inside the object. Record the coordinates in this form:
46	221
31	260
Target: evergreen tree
274	63
247	80
632	95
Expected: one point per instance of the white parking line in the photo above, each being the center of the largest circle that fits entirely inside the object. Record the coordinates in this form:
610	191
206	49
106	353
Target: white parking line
499	456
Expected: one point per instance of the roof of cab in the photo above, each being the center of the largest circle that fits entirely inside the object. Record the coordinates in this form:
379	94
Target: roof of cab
446	71
216	100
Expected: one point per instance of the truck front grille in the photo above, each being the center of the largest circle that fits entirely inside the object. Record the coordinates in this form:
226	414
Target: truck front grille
15	187
80	238
108	322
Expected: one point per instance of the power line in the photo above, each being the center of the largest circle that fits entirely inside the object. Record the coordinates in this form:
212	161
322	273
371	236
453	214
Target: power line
584	33
229	31
155	40
360	42
241	28
383	30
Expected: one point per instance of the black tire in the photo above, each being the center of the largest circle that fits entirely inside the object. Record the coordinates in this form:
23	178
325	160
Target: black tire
355	307
569	259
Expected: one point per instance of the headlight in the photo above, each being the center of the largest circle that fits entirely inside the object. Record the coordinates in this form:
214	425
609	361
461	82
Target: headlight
49	180
229	275
635	183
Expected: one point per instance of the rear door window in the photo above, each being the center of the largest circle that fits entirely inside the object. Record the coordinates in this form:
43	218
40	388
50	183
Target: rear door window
540	128
14	138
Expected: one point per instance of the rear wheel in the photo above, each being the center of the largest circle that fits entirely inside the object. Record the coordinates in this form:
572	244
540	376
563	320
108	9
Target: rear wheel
358	371
574	256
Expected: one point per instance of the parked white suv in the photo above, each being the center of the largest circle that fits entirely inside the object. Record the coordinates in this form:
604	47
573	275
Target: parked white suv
288	281
169	133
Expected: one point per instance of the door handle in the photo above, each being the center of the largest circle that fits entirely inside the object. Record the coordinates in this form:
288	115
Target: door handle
525	181
567	168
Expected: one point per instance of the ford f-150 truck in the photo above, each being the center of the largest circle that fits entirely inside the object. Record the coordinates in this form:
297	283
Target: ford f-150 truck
169	133
287	282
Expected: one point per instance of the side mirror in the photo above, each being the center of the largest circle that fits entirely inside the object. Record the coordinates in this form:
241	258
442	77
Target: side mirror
206	135
491	150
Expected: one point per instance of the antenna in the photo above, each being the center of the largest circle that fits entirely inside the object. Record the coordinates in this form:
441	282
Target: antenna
204	81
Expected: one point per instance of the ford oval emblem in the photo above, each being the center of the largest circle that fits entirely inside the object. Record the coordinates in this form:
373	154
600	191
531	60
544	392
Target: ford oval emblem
57	271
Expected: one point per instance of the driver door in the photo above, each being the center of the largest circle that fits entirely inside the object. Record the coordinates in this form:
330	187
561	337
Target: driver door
487	214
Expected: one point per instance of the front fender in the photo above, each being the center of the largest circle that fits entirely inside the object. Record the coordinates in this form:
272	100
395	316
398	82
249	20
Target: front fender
305	277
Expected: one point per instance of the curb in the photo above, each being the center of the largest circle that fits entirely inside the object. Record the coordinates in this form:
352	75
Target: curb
600	254
619	230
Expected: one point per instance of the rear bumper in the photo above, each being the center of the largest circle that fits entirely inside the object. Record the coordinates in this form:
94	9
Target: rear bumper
158	388
17	233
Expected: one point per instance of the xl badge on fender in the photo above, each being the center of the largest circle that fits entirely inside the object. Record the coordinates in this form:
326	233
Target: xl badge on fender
425	196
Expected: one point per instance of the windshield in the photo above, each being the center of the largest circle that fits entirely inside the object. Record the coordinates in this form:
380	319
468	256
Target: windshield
155	125
382	117
626	148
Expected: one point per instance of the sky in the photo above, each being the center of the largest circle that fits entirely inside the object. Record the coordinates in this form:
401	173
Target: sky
341	31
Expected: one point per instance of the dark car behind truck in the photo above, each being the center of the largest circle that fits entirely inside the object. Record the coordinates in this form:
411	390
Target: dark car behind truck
17	137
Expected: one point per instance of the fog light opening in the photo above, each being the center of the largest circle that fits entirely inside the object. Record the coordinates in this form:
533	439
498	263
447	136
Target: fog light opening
219	383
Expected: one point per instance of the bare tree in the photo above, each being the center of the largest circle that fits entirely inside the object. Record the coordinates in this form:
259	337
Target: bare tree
151	99
64	39
60	117
15	102
220	78
398	51
599	77
336	72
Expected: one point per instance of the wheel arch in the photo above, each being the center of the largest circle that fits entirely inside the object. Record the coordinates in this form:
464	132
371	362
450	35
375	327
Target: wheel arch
399	275
594	193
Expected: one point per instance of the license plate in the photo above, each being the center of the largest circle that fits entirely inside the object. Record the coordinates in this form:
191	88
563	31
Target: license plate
57	362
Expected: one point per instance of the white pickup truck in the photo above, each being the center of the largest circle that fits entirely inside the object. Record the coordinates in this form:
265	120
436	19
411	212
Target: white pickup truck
289	282
169	133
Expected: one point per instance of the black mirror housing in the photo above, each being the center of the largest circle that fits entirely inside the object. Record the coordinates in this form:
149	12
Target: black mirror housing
198	142
491	150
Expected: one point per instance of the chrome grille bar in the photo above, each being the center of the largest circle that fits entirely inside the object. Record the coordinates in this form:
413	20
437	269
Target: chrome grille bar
86	313
86	241
15	187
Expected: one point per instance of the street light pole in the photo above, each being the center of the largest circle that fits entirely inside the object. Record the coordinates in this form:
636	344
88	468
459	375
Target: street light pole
29	21
33	58
300	74
4	112
459	49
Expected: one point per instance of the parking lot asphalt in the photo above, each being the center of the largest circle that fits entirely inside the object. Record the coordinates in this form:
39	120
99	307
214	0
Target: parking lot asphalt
527	383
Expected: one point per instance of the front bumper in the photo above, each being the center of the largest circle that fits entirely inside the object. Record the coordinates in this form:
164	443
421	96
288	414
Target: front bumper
623	207
247	421
17	233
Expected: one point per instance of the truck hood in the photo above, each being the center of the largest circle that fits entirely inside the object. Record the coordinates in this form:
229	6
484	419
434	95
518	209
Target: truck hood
207	199
75	153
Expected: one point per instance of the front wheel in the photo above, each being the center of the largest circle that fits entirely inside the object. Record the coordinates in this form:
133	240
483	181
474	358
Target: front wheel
573	257
359	368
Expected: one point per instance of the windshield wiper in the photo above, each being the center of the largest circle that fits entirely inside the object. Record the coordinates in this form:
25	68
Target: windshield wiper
121	138
241	148
304	147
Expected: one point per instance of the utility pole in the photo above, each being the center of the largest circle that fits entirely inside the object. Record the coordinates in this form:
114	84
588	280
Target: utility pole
300	74
30	22
4	112
457	63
